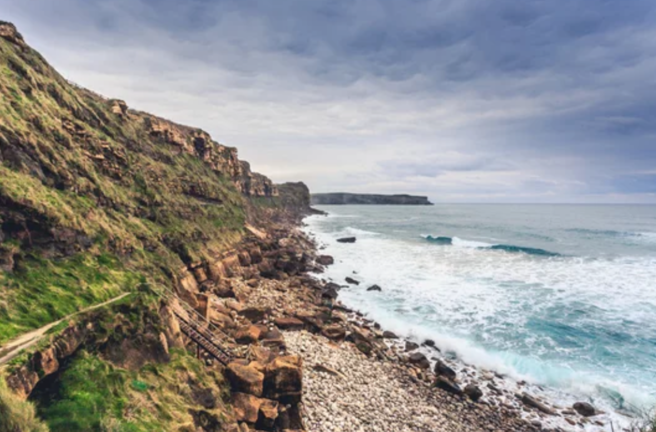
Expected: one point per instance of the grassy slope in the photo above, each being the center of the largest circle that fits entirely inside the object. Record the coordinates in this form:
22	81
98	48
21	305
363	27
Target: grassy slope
124	204
91	394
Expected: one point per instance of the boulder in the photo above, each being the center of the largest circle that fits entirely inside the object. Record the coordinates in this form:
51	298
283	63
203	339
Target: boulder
351	281
244	259
389	335
255	313
268	414
246	407
374	288
429	343
231	265
289	323
245	379
346	240
247	335
284	378
256	255
473	392
329	293
217	271
313	320
448	385
187	288
532	402
222	320
441	369
325	260
419	360
411	346
334	332
585	409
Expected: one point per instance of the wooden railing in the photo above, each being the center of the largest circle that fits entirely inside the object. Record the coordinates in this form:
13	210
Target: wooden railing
198	328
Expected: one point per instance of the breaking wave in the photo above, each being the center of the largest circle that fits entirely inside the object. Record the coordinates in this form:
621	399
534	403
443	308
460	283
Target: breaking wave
478	245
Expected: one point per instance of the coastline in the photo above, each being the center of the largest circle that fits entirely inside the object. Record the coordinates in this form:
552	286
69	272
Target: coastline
511	397
352	373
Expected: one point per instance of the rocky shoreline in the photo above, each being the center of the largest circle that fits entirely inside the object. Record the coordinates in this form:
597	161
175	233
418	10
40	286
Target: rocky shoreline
358	377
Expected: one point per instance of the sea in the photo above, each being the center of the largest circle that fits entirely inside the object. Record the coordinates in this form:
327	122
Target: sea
560	296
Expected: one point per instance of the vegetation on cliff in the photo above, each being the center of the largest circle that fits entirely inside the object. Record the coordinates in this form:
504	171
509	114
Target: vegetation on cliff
97	200
91	191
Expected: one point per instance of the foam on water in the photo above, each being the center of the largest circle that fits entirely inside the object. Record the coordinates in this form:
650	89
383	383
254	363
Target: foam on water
582	325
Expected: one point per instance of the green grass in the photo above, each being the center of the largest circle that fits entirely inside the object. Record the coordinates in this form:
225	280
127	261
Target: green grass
43	291
93	395
17	415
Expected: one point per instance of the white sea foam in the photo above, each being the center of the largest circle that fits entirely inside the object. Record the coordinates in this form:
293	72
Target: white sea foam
532	319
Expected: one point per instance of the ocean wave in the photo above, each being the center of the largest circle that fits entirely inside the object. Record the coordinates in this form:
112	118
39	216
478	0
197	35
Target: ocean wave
613	233
357	231
441	240
521	249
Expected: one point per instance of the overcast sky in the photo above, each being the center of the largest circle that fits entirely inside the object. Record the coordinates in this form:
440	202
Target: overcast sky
460	100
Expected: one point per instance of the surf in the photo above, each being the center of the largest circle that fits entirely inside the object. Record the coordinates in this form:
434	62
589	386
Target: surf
449	241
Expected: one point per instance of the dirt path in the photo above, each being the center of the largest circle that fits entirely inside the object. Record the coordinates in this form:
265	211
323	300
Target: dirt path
14	347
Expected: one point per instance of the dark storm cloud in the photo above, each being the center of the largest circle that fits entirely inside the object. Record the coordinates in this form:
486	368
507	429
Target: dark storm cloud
523	99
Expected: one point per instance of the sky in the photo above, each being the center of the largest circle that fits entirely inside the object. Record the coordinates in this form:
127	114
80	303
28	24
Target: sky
459	100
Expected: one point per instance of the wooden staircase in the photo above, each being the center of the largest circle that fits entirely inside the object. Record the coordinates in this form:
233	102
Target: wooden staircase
198	328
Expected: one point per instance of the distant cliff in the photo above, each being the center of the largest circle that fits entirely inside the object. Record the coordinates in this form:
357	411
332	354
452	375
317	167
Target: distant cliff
350	198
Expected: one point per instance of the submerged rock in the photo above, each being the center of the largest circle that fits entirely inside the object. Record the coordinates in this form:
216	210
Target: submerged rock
346	240
351	281
374	288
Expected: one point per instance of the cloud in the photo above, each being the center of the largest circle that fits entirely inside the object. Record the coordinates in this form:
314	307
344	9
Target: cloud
456	99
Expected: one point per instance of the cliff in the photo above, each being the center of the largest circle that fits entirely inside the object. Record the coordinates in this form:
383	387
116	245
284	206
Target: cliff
368	199
98	200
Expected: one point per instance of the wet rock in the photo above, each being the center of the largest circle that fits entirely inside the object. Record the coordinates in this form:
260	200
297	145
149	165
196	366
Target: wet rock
346	240
585	409
448	385
351	281
389	335
374	288
245	379
329	293
473	392
325	260
532	402
419	359
429	343
411	346
442	369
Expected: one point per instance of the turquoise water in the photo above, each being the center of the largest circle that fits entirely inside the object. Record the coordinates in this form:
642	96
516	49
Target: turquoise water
563	296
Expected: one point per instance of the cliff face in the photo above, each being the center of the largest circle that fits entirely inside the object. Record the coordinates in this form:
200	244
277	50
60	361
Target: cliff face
92	189
98	201
348	198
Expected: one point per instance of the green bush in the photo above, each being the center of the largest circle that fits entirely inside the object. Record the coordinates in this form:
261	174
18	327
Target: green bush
17	415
